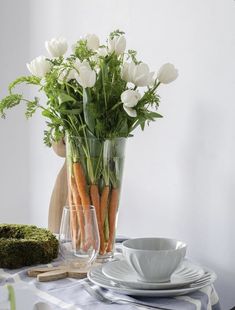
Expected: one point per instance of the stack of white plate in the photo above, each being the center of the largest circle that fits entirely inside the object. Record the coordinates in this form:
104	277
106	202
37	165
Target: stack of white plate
119	277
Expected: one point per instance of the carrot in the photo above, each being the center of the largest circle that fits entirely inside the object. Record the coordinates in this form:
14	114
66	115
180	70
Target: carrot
73	219
103	209
85	200
70	195
81	184
75	194
95	198
77	202
112	217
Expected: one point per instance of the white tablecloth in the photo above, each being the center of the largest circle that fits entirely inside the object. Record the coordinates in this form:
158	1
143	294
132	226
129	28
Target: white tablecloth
69	294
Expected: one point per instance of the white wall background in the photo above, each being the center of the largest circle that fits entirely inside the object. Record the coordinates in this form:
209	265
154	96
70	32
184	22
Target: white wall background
14	133
180	173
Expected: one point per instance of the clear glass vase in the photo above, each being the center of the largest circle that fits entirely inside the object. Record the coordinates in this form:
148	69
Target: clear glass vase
95	169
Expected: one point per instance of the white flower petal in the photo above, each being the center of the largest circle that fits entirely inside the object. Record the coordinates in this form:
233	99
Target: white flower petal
93	41
39	66
102	51
86	77
167	73
138	74
131	112
124	72
130	98
117	45
56	47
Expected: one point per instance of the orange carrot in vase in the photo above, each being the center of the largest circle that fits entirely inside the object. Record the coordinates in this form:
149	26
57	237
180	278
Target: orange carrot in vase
103	210
73	218
81	184
113	207
95	198
85	199
77	203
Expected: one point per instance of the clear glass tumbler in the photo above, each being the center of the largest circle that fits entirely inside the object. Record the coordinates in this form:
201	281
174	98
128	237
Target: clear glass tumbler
79	236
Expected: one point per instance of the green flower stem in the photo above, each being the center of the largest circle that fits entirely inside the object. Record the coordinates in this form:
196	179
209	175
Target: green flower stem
106	228
114	107
99	164
76	90
104	91
11	297
87	153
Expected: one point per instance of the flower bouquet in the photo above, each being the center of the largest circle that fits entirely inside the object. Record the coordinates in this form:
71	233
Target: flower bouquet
96	98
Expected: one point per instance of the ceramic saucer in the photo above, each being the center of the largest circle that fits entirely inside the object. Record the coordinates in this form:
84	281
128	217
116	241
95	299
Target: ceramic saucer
96	276
121	272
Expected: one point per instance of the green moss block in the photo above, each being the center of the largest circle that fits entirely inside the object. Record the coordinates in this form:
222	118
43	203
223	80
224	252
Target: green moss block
25	245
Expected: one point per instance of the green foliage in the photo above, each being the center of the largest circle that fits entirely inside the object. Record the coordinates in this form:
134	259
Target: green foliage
9	102
132	55
33	80
116	33
31	107
81	50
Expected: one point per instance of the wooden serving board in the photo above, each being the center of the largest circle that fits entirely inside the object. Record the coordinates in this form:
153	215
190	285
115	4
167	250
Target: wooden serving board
45	274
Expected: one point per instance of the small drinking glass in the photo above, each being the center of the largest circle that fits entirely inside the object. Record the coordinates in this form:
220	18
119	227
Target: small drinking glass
79	236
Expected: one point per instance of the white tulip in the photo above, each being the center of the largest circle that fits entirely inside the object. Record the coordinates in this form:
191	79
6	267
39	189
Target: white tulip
56	47
39	66
130	98
93	41
86	76
117	45
102	51
138	74
167	73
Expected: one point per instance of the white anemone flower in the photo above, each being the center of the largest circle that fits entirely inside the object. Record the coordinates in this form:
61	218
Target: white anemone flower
138	74
130	98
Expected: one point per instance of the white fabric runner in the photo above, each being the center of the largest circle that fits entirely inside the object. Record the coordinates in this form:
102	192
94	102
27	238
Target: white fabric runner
69	294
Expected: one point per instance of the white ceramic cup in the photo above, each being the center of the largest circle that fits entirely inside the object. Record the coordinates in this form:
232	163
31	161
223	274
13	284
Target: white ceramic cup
154	259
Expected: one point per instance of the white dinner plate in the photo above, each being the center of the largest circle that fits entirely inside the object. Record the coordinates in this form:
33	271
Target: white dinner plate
96	276
121	272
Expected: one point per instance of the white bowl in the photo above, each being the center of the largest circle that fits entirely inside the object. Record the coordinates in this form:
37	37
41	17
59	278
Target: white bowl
154	259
